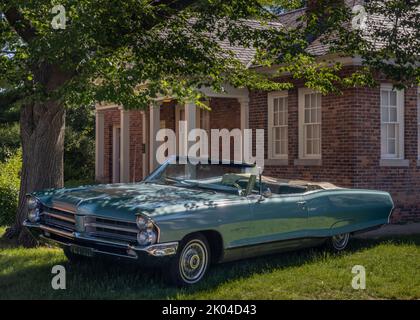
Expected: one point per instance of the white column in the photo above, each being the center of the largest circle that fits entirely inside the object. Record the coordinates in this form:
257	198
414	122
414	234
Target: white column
244	102
190	117
125	146
99	145
154	128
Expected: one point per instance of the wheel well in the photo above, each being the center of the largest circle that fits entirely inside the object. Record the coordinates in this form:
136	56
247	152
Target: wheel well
215	241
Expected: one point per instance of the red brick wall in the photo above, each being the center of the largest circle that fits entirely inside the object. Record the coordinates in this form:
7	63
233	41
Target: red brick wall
402	182
167	113
337	138
225	114
112	118
136	145
351	146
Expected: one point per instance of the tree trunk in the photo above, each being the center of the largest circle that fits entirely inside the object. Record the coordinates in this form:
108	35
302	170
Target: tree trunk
42	134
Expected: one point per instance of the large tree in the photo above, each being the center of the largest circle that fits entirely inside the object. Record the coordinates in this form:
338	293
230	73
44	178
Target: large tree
105	52
130	51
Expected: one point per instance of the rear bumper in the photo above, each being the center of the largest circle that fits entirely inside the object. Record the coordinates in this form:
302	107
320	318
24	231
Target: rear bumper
101	246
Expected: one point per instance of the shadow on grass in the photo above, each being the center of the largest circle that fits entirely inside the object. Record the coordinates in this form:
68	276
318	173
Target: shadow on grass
30	274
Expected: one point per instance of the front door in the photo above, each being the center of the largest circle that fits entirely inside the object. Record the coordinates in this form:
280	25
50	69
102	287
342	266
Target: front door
280	217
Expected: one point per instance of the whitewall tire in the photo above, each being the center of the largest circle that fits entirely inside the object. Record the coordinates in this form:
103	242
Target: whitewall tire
339	242
191	262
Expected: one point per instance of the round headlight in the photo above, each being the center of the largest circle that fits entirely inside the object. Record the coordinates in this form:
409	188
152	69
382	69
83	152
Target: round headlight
144	223
32	203
33	215
146	237
141	222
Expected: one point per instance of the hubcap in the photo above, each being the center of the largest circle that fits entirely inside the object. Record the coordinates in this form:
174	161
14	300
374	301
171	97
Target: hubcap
193	261
340	241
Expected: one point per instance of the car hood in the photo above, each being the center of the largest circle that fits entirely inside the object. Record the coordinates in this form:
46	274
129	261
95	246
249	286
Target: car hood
124	201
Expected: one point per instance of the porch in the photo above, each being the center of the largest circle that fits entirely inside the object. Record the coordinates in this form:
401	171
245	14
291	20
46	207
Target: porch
126	142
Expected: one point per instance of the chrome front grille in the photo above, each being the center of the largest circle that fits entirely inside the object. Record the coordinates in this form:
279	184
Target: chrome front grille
58	218
111	229
90	225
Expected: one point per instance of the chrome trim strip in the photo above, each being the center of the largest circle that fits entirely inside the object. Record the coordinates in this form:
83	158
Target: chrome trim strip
55	206
53	241
94	250
94	216
116	254
157	250
62	233
57	216
111	227
162	249
100	240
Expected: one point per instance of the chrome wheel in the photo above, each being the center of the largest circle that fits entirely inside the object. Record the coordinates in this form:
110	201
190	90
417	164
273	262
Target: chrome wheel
193	261
340	241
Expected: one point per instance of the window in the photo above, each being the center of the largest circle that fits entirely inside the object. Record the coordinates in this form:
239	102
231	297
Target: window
277	125
392	123
309	124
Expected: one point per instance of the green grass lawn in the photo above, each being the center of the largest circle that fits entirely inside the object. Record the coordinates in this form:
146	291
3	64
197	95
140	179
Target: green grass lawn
392	268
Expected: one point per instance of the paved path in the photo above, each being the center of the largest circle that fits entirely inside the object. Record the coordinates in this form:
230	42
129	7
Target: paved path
392	230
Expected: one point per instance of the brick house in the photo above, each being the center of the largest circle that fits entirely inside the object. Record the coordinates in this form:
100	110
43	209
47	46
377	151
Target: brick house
364	138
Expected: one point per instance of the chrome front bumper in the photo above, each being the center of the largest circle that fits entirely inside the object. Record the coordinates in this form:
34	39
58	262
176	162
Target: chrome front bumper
155	250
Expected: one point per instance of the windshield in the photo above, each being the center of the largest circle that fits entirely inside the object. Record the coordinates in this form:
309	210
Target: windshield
232	178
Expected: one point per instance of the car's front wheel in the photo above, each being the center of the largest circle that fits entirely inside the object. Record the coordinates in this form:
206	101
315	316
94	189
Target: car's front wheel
339	242
191	262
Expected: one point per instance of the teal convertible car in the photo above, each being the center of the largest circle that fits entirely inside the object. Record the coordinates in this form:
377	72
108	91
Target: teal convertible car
185	217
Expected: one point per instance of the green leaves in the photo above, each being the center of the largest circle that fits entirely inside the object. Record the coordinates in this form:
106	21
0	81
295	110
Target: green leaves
111	48
390	42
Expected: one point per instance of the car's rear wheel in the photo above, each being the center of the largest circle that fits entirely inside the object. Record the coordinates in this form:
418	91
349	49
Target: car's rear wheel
339	242
191	262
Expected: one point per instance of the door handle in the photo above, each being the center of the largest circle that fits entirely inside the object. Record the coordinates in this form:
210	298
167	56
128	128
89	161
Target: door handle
301	203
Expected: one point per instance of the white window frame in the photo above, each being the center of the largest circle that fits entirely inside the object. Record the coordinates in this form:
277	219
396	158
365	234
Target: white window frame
302	92
270	124
399	155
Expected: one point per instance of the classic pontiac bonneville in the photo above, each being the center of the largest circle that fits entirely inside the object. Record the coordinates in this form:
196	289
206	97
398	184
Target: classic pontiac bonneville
186	216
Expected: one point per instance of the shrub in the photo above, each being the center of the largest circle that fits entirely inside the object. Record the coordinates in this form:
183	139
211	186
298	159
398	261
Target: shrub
10	140
79	147
9	187
79	156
